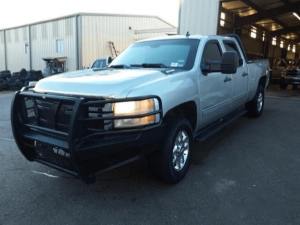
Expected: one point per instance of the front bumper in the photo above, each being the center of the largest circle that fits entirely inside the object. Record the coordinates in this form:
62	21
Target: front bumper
291	79
75	135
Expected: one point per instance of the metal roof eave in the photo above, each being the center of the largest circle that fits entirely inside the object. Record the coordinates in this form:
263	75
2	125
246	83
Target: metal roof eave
87	14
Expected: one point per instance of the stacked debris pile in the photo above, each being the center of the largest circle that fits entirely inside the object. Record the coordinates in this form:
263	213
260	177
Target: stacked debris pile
18	80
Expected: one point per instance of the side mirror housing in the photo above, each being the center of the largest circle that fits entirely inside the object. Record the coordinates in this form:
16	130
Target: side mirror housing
230	62
227	65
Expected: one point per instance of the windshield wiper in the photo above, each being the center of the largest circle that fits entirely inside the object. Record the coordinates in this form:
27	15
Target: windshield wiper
121	66
153	65
149	65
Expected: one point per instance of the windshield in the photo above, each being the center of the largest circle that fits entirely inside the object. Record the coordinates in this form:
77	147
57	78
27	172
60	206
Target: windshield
295	63
286	62
99	64
166	53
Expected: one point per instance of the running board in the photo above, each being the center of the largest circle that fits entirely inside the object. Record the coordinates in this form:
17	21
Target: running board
207	132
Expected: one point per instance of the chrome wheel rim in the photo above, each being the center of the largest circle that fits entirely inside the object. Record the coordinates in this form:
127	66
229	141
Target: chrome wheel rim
259	102
180	150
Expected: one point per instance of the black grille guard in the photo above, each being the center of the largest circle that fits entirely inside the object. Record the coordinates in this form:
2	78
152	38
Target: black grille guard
32	132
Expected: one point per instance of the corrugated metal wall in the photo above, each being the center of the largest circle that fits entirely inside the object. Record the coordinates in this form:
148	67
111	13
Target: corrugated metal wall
99	30
17	58
43	42
198	17
95	31
2	51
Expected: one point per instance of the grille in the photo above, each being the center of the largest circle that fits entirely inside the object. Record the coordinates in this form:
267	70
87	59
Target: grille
52	114
292	73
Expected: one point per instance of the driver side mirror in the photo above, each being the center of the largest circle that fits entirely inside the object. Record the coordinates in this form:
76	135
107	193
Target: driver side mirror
230	62
227	65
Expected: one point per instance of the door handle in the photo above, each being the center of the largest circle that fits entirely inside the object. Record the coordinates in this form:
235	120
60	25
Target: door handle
244	74
227	79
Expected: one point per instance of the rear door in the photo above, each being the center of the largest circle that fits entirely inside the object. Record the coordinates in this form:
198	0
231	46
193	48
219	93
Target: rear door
215	87
240	78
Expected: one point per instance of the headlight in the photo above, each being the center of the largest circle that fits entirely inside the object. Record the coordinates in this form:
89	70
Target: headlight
133	108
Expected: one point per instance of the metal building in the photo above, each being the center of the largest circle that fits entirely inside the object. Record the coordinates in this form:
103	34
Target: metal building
79	39
198	17
268	29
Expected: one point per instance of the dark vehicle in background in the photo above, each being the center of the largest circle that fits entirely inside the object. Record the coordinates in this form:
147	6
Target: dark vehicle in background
278	66
291	75
99	64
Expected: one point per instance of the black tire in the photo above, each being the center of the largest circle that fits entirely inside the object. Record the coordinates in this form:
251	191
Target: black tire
19	83
5	71
23	72
5	74
39	74
161	161
283	85
295	86
256	106
12	86
31	75
3	84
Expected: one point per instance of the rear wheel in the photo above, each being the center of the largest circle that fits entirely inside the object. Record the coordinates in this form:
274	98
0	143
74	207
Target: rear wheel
295	86
171	162
256	105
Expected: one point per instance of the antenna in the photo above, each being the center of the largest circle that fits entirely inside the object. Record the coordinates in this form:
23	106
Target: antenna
187	34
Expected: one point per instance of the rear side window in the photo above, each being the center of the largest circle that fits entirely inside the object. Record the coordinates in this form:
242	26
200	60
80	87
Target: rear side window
231	46
212	52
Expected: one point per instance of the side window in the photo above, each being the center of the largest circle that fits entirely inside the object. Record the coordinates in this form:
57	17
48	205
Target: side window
212	52
231	46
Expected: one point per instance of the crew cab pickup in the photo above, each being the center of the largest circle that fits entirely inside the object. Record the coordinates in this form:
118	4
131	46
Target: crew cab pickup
154	100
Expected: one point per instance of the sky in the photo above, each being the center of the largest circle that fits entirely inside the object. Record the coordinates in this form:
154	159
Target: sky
19	12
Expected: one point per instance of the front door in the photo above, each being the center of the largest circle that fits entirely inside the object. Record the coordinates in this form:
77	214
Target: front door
215	87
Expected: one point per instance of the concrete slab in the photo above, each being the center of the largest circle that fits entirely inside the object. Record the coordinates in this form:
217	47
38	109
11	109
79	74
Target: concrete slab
246	174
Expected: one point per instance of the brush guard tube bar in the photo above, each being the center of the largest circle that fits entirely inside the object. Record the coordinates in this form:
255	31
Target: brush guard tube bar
76	135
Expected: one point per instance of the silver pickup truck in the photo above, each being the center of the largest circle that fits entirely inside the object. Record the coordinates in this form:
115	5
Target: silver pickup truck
155	99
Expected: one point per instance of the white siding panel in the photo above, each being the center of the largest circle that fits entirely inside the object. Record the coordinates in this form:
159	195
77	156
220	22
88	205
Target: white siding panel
199	17
2	51
16	56
98	31
44	38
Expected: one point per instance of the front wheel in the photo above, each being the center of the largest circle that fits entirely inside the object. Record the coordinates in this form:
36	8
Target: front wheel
172	160
256	105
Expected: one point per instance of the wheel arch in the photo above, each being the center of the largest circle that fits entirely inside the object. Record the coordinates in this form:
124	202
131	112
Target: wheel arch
187	110
262	81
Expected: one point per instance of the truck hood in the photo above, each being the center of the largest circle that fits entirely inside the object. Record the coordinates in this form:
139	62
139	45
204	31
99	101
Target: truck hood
109	83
